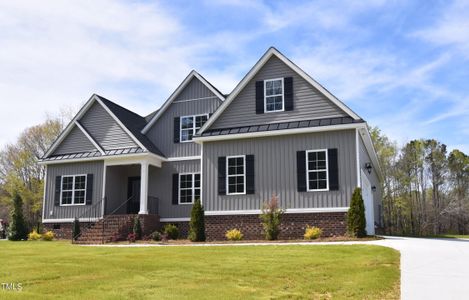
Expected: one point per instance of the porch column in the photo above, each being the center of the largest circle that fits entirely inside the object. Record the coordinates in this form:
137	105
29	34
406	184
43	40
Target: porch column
143	189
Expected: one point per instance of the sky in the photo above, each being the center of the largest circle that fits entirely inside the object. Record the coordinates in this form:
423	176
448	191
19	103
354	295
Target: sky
401	65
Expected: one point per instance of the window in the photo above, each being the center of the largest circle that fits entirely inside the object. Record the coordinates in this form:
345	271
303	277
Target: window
190	125
273	95
236	175
73	190
189	188
317	170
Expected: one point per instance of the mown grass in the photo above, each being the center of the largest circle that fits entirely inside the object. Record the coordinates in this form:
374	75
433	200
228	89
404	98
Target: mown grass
50	270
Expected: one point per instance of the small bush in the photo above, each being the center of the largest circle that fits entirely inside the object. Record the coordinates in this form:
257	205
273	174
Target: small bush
312	233
34	236
197	223
271	218
171	231
18	229
156	236
356	221
234	235
137	230
48	236
131	237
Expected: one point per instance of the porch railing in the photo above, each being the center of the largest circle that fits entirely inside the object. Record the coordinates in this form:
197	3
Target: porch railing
91	214
153	205
112	213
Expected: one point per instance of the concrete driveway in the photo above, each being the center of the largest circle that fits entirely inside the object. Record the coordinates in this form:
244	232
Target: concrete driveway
432	268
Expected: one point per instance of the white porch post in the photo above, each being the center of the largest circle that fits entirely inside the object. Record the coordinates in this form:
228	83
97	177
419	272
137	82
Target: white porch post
143	188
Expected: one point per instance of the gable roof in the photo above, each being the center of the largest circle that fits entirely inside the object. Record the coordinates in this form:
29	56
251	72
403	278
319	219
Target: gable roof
129	121
180	88
255	69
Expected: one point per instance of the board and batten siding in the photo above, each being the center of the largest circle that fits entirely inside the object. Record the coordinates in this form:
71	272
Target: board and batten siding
105	130
75	142
160	186
275	171
195	99
308	103
373	177
65	212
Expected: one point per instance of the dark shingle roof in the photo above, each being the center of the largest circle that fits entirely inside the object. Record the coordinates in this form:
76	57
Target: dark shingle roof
94	154
281	126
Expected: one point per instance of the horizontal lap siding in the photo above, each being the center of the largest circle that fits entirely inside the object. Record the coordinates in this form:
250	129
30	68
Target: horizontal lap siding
75	142
275	171
160	186
61	212
308	102
162	132
105	130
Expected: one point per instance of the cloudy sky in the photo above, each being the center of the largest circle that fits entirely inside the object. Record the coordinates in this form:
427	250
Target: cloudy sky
401	65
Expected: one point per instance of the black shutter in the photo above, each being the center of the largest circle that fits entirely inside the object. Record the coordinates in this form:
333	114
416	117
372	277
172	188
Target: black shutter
301	170
333	164
288	93
58	183
250	186
259	97
89	189
177	124
222	175
175	189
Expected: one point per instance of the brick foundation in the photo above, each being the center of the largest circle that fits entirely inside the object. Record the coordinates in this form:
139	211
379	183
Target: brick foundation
292	227
182	226
62	230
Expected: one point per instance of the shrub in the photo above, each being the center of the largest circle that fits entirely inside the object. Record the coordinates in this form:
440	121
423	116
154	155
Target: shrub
197	223
18	229
48	236
34	236
356	222
234	235
156	236
271	217
312	233
137	230
76	229
131	237
171	231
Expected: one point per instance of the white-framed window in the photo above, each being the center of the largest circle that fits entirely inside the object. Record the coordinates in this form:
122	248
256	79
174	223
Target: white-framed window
274	95
236	175
189	187
73	190
317	170
190	125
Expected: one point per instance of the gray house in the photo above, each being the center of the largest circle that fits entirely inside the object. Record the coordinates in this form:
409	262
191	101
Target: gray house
279	132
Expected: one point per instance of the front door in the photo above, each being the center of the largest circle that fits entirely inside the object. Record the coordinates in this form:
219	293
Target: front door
133	193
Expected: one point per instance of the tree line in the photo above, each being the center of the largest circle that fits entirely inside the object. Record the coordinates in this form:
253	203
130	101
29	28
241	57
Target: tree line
425	188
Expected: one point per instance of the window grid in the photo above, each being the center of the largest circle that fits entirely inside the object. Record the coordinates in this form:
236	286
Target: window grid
73	190
274	95
236	175
317	170
189	187
190	125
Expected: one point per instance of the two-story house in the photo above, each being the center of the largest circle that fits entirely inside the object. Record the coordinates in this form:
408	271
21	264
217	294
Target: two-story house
279	132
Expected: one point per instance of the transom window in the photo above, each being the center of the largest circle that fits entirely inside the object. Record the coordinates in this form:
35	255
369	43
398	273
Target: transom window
273	95
317	170
73	190
189	188
190	125
236	174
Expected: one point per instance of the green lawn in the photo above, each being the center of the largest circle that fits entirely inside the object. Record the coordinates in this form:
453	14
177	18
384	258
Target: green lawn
59	269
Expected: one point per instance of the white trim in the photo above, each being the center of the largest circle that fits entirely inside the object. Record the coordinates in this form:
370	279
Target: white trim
265	96
183	158
175	219
237	175
92	140
287	211
193	188
112	160
176	93
357	150
255	69
144	174
307	171
69	220
195	129
278	132
201	172
195	99
73	189
370	149
104	189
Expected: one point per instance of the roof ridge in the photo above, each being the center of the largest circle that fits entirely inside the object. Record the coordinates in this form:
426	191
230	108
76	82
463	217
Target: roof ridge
119	106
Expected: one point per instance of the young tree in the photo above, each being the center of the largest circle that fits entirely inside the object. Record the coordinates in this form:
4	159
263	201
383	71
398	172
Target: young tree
76	229
271	217
197	223
18	229
137	230
356	222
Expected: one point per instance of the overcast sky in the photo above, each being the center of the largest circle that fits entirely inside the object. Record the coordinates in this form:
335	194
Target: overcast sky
401	65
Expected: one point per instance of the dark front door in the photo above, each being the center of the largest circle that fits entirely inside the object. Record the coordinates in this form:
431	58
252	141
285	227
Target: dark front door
133	192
